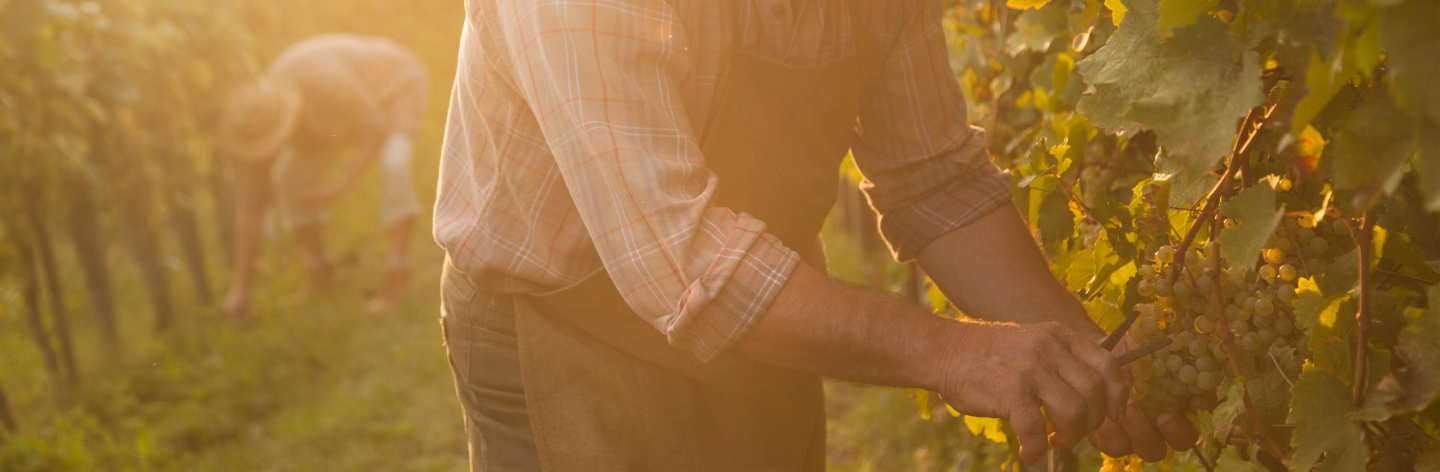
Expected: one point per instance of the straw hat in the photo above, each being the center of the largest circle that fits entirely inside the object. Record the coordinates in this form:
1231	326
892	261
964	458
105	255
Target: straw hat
259	118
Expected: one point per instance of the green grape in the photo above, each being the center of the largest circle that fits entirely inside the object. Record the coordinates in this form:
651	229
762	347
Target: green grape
1276	255
1192	258
1341	228
1236	274
1307	221
1141	389
1267	335
1282	343
1218	350
1162	287
1206	380
1150	325
1196	390
1288	272
1204	363
1144	288
1165	255
1286	293
1305	234
1198	348
1159	368
1205	285
1262	321
1174	362
1204	324
1264	307
1284	327
1148	271
1267	272
1283	245
1232	311
1250	341
1239	327
1187	374
1181	289
1173	328
1318	246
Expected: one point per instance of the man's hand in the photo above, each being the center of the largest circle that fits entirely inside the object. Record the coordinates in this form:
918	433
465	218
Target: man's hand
1140	435
1012	371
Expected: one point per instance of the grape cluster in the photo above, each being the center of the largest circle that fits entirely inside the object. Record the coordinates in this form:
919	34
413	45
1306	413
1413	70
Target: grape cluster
1180	304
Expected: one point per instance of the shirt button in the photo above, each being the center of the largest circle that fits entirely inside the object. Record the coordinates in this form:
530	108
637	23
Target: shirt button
778	10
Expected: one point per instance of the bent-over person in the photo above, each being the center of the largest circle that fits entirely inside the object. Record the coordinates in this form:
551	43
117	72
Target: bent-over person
325	97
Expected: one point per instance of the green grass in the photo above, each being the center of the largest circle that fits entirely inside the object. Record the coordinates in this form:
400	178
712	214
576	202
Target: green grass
306	385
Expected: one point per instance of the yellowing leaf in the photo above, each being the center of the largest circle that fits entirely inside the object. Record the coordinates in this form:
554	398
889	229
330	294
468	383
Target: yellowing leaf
1025	4
936	297
989	428
1117	10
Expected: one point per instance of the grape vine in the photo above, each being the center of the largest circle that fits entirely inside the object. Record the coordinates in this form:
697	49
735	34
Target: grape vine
1257	181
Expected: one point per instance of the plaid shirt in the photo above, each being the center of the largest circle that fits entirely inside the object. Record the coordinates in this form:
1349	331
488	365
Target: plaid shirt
571	147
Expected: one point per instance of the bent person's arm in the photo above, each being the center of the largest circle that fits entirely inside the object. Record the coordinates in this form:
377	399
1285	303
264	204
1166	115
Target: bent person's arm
252	194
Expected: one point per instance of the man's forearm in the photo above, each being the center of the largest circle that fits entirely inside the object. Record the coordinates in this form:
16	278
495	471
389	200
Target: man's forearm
820	325
991	269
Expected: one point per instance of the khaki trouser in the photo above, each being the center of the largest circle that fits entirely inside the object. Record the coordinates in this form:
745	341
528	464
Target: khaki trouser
479	332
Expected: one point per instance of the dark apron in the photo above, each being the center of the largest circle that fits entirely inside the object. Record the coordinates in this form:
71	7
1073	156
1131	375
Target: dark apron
606	391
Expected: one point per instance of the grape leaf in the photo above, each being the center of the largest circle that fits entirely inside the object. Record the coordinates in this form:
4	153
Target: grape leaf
1324	78
1255	210
1319	412
1106	315
1415	386
1372	148
1226	417
1342	275
1125	69
1177	13
1202	95
1186	187
1056	223
1025	4
1230	461
1036	28
1409	36
1308	303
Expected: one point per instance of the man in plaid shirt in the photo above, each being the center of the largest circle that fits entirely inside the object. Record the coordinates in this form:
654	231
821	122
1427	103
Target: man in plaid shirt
597	139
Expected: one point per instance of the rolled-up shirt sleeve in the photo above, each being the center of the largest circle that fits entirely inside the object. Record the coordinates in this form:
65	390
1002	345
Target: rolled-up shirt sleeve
927	171
603	80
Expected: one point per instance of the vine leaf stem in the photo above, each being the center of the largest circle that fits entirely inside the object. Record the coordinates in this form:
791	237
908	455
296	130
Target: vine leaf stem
1227	339
1362	316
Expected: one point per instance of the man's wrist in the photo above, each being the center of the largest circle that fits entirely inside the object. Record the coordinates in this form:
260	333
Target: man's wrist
940	353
